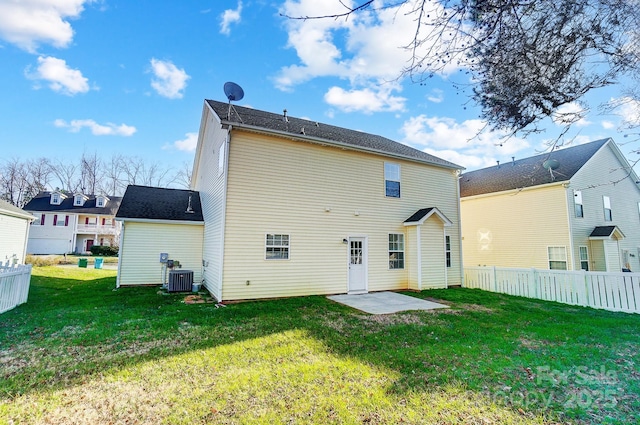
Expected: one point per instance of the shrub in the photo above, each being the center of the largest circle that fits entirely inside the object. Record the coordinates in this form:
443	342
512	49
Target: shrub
108	251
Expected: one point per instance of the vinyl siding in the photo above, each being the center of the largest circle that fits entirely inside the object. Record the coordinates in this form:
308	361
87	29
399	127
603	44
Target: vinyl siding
604	175
13	234
319	196
50	239
514	229
211	185
142	244
434	274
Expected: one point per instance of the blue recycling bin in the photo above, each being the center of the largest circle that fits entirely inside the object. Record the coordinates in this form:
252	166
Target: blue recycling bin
98	263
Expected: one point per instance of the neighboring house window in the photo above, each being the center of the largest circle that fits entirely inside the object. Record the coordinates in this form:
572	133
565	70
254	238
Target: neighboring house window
59	221
55	198
396	251
392	180
607	208
557	257
221	157
584	258
447	250
77	201
577	198
277	247
100	202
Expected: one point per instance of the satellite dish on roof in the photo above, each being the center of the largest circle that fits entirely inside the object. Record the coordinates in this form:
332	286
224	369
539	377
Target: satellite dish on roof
233	91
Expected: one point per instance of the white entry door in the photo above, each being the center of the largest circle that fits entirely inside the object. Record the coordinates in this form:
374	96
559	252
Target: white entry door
357	265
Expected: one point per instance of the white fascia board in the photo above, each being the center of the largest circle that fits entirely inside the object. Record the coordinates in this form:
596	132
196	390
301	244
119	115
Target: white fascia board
154	221
514	191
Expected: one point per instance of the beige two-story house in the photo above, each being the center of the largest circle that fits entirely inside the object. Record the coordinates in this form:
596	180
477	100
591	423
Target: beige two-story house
570	209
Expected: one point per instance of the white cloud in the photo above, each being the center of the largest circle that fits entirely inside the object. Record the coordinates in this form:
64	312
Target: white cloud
60	77
570	113
169	81
607	125
365	100
629	110
228	17
467	143
28	23
108	129
188	144
436	96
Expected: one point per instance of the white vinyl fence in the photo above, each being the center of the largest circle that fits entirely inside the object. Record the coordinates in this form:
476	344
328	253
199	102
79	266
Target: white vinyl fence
604	290
14	286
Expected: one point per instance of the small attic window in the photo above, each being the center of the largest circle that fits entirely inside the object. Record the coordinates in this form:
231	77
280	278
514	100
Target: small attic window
78	200
55	198
100	202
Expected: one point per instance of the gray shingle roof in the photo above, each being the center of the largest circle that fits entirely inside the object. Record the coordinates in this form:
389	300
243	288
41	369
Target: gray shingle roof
528	172
156	203
254	118
12	210
42	202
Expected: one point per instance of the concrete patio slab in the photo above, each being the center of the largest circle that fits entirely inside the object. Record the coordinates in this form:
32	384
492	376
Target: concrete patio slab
385	302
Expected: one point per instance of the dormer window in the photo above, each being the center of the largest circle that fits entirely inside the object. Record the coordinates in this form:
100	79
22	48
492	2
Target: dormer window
100	202
56	198
78	200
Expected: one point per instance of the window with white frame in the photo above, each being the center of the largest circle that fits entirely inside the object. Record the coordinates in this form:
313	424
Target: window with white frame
277	247
584	258
392	180
577	199
100	202
607	208
557	257
396	251
55	198
221	157
78	201
447	250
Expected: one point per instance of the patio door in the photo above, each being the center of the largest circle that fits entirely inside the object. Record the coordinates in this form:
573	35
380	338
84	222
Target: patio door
89	245
357	265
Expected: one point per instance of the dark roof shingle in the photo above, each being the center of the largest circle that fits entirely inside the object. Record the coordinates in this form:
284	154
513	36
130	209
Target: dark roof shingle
42	202
248	117
528	172
156	203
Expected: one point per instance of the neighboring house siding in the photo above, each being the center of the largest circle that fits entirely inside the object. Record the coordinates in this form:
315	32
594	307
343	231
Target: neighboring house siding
434	273
320	195
142	244
13	234
603	175
514	228
211	185
50	239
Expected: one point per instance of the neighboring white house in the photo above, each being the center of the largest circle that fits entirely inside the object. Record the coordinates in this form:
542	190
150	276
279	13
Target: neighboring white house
295	207
157	221
570	209
72	223
14	232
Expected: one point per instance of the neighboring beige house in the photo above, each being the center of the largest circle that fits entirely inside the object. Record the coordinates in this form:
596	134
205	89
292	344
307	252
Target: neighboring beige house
72	223
14	232
574	208
295	207
158	221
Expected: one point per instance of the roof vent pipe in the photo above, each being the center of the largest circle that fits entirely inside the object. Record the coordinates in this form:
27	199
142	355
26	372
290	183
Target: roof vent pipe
498	164
513	161
284	116
189	209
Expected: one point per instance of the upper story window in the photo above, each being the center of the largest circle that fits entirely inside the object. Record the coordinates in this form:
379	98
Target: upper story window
56	199
577	199
607	208
78	200
396	251
101	202
392	180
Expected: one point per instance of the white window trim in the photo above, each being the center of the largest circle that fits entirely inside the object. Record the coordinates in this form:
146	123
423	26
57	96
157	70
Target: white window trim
399	180
577	199
586	250
288	246
403	251
549	260
606	203
447	250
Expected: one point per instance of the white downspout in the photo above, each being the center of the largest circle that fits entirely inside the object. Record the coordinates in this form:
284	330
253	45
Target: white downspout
120	255
419	252
444	241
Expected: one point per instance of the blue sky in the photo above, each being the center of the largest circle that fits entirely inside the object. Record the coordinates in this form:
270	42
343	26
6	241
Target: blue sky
130	77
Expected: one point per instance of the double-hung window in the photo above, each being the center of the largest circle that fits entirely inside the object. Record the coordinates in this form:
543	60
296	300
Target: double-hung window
277	247
577	199
606	202
557	257
447	250
584	258
396	251
391	180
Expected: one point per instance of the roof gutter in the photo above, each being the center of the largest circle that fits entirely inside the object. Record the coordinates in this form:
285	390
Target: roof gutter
514	191
333	143
159	221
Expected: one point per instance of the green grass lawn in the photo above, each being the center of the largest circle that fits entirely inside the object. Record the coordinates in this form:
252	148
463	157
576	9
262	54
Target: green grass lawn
81	352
